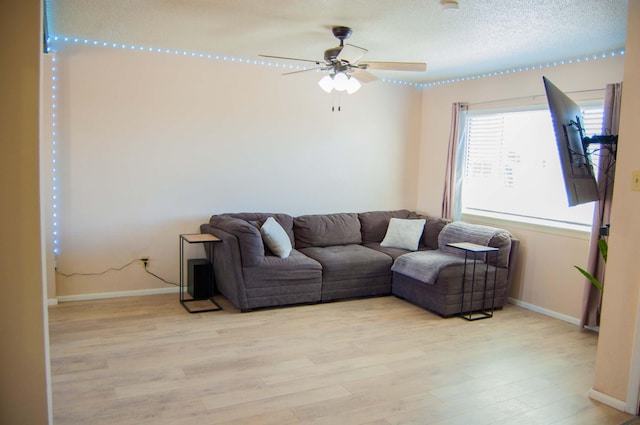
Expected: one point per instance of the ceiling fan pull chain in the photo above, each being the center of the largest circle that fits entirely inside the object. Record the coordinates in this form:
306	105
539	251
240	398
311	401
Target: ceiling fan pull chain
336	97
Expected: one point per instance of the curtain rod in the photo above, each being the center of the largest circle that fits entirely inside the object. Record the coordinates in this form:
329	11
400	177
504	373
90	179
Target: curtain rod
532	97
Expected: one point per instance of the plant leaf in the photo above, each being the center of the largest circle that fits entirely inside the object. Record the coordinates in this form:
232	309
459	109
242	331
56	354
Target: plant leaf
589	276
603	247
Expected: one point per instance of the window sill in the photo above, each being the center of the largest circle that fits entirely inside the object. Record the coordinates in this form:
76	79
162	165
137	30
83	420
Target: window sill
537	225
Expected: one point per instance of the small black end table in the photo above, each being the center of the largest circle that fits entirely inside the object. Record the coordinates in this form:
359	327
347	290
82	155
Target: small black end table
471	248
186	303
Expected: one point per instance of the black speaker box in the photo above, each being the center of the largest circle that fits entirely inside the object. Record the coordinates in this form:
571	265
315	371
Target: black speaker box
199	279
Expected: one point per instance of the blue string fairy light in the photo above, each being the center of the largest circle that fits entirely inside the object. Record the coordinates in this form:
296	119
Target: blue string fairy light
452	80
555	63
54	157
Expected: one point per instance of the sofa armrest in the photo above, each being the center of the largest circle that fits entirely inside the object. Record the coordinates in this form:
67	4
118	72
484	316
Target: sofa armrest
227	266
248	236
460	231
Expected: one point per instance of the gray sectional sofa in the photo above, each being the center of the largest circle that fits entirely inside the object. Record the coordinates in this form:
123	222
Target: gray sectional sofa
338	256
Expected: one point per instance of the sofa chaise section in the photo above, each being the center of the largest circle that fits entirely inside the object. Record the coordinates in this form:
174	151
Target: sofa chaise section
444	295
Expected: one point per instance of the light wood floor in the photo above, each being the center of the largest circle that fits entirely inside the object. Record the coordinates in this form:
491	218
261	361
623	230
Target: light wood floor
379	361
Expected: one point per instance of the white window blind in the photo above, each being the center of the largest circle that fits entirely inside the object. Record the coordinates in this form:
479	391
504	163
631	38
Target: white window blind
512	167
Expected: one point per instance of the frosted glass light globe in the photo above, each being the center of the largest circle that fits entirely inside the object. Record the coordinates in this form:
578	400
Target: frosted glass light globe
340	81
353	85
326	83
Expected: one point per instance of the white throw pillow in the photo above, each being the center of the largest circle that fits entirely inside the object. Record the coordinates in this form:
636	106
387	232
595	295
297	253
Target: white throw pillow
276	238
404	233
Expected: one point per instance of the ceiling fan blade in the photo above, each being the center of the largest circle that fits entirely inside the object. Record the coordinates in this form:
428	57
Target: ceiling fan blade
303	70
397	66
351	54
292	59
363	76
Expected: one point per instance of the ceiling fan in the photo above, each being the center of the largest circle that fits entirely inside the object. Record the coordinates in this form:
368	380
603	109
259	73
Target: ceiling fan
346	70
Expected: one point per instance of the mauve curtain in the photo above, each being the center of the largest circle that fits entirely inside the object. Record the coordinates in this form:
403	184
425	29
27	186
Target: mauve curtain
453	173
592	300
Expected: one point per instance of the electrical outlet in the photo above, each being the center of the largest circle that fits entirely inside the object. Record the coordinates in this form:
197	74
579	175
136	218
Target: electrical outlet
635	180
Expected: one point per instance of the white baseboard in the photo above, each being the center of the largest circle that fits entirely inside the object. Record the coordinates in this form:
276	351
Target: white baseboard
52	301
608	400
593	394
118	294
546	312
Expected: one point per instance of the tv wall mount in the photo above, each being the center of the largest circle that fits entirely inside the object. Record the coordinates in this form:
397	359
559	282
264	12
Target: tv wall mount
608	141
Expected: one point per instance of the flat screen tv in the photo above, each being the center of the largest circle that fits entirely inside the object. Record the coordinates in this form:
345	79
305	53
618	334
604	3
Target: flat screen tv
577	169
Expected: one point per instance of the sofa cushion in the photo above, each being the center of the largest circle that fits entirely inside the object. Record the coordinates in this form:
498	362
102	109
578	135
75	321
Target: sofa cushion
391	252
326	230
281	272
374	224
276	238
431	231
342	262
403	233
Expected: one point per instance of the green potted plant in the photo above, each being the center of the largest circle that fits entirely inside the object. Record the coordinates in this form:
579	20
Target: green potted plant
603	247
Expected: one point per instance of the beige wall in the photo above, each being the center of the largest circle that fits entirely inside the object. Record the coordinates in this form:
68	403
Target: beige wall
620	301
152	144
24	365
546	280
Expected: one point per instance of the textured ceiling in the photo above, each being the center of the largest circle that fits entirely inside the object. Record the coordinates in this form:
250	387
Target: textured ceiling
481	36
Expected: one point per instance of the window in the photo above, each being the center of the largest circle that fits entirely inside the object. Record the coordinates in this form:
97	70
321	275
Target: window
511	167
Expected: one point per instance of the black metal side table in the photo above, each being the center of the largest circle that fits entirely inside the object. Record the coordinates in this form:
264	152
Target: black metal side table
186	303
475	249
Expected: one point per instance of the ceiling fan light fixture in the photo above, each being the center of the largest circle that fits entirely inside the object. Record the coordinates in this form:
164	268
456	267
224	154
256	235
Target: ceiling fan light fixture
344	60
339	82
